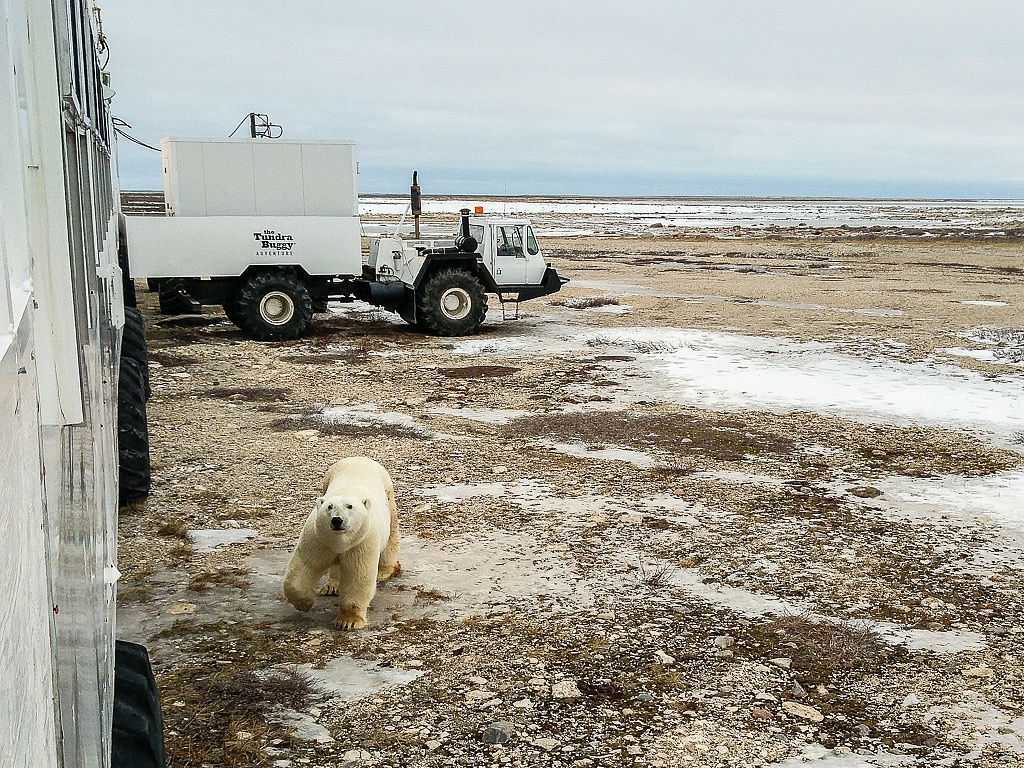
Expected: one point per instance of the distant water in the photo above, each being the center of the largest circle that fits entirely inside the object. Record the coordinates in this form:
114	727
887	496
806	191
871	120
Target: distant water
614	215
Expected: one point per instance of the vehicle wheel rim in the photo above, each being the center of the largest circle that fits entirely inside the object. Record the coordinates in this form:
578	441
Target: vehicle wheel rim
456	303
277	308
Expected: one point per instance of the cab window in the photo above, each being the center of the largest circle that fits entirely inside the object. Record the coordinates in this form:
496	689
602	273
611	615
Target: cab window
510	241
531	242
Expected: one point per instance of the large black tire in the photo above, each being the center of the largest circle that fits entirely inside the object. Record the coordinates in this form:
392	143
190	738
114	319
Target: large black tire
273	306
133	344
231	310
138	733
132	433
451	302
127	284
174	298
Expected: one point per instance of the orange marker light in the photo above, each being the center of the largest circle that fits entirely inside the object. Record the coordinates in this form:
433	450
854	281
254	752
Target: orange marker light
479	209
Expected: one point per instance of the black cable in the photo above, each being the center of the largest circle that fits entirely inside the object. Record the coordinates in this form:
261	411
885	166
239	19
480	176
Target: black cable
118	122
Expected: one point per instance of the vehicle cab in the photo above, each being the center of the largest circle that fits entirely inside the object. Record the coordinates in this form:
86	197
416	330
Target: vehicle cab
509	249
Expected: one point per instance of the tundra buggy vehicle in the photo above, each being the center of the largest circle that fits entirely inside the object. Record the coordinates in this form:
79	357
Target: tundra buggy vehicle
270	231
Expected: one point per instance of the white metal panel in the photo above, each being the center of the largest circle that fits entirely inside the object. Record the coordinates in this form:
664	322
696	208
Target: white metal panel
329	179
246	177
230	179
278	179
27	725
224	246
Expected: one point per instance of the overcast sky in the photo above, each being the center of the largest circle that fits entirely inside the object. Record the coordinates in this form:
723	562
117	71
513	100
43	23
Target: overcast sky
853	98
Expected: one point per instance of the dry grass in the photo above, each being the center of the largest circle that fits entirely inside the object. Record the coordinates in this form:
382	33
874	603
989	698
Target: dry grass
477	371
249	394
654	577
357	427
716	438
223	577
221	719
825	646
177	529
586	302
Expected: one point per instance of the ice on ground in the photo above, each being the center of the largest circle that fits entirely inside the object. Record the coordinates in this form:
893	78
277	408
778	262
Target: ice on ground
349	678
485	415
756	604
981	303
819	756
627	455
209	540
371	415
731	371
997	498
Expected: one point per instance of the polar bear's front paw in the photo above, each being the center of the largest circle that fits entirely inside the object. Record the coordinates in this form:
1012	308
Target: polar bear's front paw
349	619
330	587
301	602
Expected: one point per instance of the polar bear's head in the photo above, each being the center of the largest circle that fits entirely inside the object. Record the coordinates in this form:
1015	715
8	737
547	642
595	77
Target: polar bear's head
340	514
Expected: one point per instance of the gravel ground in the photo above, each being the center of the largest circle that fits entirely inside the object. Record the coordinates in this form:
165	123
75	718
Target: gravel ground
594	574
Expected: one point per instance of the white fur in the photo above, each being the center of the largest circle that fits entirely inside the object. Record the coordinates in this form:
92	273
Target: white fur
359	496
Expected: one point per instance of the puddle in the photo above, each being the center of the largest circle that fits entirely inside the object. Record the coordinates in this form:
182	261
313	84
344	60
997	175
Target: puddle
209	540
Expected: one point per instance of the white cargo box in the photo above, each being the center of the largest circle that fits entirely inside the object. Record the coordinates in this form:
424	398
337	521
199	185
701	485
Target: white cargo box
259	177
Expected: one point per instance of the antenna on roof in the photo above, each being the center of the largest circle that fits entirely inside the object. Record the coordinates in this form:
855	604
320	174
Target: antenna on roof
260	127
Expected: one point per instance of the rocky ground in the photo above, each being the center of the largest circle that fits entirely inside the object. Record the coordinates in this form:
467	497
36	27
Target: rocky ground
594	574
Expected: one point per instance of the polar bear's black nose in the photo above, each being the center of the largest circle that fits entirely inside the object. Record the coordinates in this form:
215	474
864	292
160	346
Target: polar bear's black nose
338	524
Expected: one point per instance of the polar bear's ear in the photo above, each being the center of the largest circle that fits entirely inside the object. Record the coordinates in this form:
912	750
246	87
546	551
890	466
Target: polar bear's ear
366	503
319	503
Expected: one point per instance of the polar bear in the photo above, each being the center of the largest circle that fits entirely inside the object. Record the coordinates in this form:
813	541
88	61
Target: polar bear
352	535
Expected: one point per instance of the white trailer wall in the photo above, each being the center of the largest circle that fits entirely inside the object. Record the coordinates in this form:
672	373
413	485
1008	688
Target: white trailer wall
60	313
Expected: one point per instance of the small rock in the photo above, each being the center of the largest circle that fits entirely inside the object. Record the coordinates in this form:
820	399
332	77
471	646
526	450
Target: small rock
180	609
243	736
432	744
865	492
523	704
644	697
664	658
566	689
498	732
478	680
980	673
725	641
798	690
633	749
781	663
480	695
499	470
911	700
765	696
762	714
802	711
879	453
546	744
354	758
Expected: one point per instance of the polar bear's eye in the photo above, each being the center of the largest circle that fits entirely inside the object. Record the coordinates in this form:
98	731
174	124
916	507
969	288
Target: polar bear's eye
330	506
348	506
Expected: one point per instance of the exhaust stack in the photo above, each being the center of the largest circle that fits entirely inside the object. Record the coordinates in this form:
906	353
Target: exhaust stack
416	203
465	242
